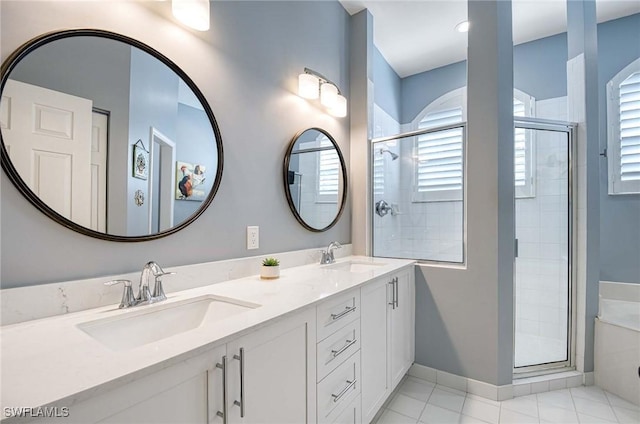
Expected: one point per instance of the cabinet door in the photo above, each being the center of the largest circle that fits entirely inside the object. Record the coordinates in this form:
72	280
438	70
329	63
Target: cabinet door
402	327
272	373
186	392
374	331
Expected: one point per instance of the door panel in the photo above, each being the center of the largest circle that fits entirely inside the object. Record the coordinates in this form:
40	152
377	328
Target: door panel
279	360
543	257
48	136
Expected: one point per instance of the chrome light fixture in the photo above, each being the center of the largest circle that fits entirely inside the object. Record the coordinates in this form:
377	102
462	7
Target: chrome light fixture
312	85
192	13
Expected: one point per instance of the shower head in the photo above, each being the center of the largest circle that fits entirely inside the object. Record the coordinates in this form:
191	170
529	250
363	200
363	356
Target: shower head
393	155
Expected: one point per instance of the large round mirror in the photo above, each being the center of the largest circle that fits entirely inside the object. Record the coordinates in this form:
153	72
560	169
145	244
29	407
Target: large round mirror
107	136
315	179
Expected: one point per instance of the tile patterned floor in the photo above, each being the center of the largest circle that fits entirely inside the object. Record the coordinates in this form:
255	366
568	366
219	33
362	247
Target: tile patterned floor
422	402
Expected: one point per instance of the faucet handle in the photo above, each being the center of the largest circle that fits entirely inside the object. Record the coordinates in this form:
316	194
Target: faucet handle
128	299
158	291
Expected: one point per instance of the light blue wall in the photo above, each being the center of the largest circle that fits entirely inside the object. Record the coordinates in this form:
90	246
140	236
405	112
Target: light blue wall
194	135
421	89
540	67
153	102
618	45
387	86
246	65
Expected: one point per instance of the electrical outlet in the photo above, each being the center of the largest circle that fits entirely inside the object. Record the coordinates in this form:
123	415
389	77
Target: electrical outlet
253	237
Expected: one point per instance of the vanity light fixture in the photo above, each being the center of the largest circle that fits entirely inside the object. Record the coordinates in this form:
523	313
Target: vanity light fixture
192	13
312	85
463	26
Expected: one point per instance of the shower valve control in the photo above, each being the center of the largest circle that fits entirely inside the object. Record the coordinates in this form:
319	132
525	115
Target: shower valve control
383	208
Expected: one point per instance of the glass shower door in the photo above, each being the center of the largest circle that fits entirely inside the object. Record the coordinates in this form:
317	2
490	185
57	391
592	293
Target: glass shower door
543	246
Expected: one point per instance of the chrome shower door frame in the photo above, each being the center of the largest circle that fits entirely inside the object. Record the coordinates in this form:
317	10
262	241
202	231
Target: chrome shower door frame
570	129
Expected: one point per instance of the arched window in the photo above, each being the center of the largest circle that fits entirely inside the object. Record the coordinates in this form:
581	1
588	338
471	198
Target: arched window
439	156
623	127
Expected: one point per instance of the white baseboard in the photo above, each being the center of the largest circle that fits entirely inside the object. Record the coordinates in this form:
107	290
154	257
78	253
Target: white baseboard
521	387
464	384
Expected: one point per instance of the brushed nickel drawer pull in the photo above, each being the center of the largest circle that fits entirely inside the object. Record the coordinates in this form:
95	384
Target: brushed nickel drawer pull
348	344
241	402
337	397
223	366
343	313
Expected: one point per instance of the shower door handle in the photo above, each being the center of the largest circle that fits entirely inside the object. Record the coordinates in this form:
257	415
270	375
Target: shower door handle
516	248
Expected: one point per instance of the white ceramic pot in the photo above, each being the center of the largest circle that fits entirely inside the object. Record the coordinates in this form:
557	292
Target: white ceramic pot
270	272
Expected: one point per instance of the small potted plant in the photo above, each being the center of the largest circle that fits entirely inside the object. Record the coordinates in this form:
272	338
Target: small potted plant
270	269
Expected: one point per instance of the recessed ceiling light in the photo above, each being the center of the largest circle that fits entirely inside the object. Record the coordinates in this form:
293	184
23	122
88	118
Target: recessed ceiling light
463	26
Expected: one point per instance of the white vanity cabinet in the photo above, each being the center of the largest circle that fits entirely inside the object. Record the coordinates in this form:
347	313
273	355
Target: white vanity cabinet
268	371
388	337
187	392
335	361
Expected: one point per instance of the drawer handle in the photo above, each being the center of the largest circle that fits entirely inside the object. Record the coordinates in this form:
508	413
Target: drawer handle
337	397
223	366
343	348
343	313
241	402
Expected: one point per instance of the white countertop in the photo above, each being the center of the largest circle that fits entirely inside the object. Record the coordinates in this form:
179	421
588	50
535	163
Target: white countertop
50	361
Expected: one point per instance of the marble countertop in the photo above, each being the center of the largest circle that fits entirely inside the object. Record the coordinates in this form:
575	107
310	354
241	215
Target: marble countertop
52	362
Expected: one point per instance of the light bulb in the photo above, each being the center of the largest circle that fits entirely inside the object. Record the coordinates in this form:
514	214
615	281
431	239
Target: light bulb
340	108
193	13
308	86
463	26
328	95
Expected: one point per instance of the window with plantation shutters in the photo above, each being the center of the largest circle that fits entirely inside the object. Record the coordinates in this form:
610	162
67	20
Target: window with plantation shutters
329	175
623	98
439	155
439	158
630	128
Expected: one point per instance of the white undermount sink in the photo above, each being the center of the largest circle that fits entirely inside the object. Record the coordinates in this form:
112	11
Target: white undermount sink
151	323
355	266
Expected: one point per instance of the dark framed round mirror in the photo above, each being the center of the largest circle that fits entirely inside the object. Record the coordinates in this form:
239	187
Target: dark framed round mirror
315	179
107	136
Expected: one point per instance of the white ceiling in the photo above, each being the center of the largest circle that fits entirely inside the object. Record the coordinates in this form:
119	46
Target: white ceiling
417	35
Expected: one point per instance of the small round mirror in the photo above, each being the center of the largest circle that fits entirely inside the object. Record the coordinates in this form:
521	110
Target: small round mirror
315	179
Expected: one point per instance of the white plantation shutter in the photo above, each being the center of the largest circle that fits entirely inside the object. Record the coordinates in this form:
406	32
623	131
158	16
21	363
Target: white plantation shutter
439	154
630	128
623	116
329	166
520	150
523	151
439	157
378	172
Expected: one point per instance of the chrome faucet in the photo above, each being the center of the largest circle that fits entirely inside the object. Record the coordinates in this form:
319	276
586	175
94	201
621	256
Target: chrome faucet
145	296
327	255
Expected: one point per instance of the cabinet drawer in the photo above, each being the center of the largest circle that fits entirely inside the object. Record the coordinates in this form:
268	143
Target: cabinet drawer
336	348
339	389
338	312
351	414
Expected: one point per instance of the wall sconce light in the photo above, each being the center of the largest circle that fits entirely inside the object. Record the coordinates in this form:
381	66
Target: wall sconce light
463	26
312	85
192	13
